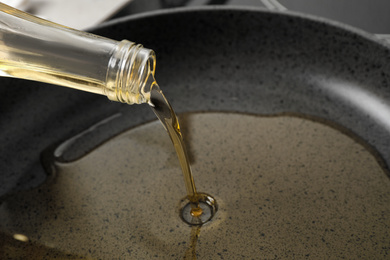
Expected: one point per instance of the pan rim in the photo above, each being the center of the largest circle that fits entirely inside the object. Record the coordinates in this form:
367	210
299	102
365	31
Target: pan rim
250	9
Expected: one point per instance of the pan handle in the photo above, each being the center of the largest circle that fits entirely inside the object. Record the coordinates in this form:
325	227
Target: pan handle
273	5
276	6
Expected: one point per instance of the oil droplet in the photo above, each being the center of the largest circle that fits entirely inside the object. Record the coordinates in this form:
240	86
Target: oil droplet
196	212
199	213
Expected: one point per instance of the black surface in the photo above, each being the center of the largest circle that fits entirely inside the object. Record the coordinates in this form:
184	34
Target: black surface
369	15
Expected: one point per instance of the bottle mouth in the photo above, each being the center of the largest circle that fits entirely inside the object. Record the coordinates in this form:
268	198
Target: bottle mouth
146	73
130	73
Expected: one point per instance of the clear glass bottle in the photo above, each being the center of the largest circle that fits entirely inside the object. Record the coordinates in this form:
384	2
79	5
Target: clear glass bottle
35	49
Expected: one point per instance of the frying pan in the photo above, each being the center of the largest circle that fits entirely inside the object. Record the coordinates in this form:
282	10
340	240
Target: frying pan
213	59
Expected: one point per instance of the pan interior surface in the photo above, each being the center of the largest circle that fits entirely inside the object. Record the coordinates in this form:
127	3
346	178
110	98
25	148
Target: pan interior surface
286	186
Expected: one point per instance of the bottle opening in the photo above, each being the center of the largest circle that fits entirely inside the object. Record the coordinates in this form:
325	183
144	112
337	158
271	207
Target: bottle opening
130	73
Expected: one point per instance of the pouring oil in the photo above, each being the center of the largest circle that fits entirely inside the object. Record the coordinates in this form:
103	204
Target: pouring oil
59	55
202	206
168	118
122	71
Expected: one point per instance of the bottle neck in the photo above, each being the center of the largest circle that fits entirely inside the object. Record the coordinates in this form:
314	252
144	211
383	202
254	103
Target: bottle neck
130	73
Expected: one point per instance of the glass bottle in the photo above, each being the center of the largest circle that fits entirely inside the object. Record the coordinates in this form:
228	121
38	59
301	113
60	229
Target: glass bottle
35	49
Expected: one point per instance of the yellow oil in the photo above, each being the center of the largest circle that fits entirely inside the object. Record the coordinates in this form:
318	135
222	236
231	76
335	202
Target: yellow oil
35	49
168	118
287	187
196	212
191	251
50	75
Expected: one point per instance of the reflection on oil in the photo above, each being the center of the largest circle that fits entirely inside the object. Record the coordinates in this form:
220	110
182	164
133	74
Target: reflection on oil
20	237
286	187
18	246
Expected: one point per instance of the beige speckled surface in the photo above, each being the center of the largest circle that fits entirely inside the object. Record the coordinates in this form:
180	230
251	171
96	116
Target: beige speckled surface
286	187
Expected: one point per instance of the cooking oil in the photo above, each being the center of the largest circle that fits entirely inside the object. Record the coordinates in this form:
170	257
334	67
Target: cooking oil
286	187
168	118
191	251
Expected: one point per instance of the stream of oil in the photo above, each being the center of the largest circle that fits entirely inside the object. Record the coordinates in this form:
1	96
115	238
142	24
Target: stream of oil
168	118
287	187
191	251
